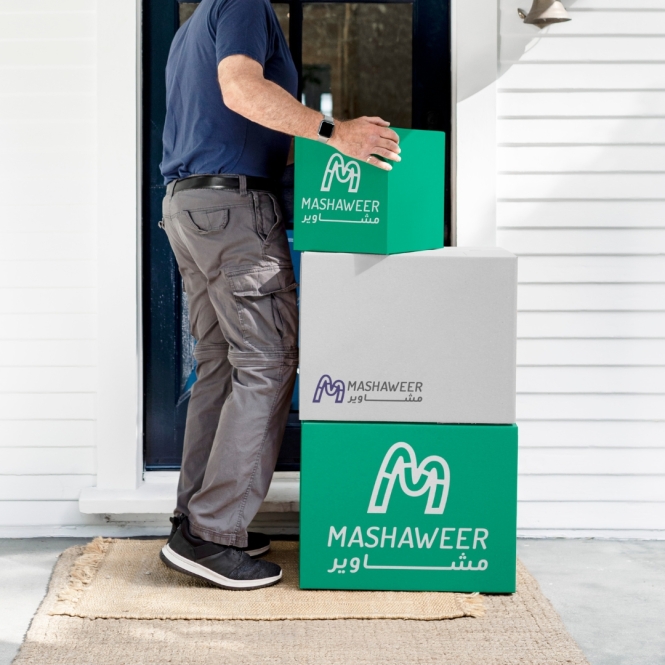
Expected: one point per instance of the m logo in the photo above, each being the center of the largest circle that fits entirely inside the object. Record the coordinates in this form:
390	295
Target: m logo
432	476
344	172
330	387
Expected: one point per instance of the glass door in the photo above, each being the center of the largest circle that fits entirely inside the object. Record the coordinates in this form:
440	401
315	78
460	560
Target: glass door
390	59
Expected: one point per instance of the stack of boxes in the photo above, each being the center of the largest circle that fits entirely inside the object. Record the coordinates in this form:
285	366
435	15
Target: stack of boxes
407	382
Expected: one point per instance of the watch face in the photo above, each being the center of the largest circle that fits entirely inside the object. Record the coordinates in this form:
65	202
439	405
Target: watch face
326	129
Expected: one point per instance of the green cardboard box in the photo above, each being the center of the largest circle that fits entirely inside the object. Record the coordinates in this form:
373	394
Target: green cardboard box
345	205
413	507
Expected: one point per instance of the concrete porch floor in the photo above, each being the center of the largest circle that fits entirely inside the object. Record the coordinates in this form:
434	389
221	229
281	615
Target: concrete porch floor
610	594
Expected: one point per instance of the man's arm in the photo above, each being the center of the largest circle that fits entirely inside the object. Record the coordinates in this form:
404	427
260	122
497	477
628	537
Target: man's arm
248	93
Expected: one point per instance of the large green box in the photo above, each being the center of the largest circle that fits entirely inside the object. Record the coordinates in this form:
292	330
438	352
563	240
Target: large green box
346	205
419	507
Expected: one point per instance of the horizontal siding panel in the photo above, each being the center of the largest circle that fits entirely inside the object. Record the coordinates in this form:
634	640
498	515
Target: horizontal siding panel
597	23
58	190
45	513
527	131
604	434
582	241
50	406
49	461
30	6
41	217
574	269
582	159
36	106
591	515
36	53
591	324
53	80
629	5
591	407
49	326
601	214
612	352
583	77
580	103
582	185
45	25
48	380
75	164
48	353
47	246
589	297
574	49
591	488
57	134
43	488
48	274
46	433
60	300
574	380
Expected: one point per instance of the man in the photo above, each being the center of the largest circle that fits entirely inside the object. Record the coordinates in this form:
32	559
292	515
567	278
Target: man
229	240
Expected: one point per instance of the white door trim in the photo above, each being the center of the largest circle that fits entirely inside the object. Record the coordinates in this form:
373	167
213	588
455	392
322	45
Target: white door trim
118	433
475	69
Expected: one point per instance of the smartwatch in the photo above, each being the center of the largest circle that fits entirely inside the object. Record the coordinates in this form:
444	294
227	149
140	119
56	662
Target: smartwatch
326	129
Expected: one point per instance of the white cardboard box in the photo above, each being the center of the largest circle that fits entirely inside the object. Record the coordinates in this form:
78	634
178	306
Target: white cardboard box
417	337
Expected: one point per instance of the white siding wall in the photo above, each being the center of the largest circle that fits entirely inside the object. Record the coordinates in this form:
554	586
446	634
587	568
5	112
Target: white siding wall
581	200
47	263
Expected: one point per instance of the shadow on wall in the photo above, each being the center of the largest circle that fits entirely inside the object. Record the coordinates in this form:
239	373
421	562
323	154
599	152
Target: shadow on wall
516	37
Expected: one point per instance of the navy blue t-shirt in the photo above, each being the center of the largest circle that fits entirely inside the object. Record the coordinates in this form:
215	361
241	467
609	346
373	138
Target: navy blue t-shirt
202	135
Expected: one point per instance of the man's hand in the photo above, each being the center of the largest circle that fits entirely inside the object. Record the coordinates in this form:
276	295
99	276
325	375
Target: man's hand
247	92
364	138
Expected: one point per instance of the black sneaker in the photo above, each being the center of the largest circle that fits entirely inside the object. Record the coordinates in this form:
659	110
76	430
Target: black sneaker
258	543
176	521
224	566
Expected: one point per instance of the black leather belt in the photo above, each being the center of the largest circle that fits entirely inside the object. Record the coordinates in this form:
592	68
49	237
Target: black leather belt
223	182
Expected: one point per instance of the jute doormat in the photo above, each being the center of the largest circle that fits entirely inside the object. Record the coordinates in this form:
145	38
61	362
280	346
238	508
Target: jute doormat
522	629
125	579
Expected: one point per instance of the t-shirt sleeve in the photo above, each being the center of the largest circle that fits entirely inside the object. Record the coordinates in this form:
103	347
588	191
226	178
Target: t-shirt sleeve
243	28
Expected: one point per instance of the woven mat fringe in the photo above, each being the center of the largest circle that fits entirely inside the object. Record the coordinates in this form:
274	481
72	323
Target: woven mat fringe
82	573
472	604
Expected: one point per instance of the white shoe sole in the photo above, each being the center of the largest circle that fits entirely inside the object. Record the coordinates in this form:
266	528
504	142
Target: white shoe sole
258	552
179	563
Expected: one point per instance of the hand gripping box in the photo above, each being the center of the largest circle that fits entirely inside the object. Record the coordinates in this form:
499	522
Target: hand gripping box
396	506
346	205
419	337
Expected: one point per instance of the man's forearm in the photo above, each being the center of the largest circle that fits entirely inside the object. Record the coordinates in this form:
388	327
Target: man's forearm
265	103
247	92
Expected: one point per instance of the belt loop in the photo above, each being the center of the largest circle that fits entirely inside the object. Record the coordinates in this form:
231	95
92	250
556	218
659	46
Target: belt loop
243	185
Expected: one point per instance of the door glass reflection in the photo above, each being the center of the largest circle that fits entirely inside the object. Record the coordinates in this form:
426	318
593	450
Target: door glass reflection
185	10
282	13
357	60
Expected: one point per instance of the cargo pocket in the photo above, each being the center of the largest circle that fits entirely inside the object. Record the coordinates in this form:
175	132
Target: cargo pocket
204	221
267	308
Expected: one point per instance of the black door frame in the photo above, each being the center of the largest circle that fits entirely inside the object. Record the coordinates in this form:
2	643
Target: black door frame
164	403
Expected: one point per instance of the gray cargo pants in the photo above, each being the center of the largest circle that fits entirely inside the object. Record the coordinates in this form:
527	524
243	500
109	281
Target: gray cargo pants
233	255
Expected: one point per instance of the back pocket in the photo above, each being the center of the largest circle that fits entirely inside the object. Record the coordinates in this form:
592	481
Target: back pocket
204	221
